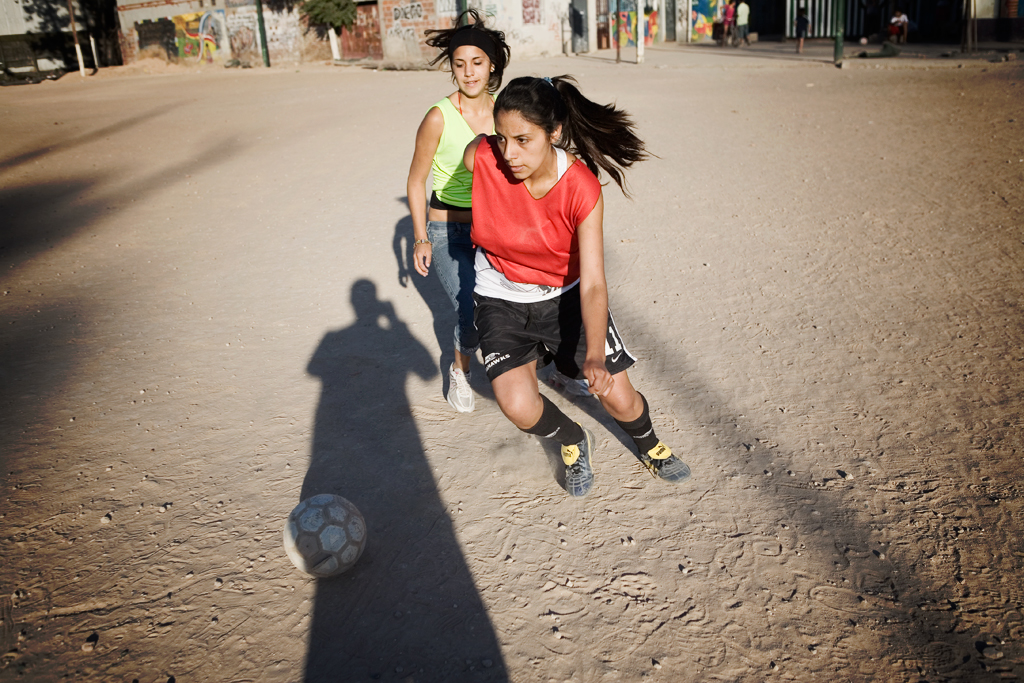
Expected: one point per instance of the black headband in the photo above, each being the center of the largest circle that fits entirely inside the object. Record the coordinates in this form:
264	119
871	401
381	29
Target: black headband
467	35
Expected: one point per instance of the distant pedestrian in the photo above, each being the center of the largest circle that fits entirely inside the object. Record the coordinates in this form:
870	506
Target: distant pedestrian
801	29
729	23
743	23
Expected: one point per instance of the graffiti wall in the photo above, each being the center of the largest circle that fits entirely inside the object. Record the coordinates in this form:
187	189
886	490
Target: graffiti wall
403	23
531	27
284	36
531	12
183	32
626	34
201	37
704	14
243	35
392	30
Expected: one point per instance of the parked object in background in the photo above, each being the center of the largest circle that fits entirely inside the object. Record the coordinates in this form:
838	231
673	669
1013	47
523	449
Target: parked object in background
888	50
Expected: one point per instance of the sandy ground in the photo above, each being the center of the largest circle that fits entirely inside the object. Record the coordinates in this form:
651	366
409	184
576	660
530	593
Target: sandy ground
208	314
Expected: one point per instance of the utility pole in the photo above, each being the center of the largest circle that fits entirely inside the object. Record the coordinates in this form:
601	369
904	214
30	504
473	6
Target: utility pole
640	31
263	33
689	21
840	31
95	55
333	39
74	32
618	33
970	34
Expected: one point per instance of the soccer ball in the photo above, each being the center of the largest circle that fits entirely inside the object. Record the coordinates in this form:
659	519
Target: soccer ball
324	535
863	41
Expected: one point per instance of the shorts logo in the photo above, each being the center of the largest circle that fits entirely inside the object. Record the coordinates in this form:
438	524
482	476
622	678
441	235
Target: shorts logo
494	358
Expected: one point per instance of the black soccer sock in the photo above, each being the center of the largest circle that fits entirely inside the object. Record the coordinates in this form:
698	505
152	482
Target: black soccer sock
554	424
641	430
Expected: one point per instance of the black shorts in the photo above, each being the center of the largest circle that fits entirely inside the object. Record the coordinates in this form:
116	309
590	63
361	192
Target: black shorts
514	334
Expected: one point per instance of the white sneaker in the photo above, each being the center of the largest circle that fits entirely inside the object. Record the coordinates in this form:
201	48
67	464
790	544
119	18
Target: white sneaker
460	395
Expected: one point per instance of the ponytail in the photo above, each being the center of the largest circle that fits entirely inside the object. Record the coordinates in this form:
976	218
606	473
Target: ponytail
599	134
464	32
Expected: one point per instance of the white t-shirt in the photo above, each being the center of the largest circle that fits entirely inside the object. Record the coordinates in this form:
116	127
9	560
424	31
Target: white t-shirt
743	14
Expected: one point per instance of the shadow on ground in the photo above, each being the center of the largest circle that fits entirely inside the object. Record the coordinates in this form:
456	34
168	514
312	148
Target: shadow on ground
444	316
61	143
41	342
409	609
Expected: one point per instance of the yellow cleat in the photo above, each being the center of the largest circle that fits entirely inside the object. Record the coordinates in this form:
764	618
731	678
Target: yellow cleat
661	463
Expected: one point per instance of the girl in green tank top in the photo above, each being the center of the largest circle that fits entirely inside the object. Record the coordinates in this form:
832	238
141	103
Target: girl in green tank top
477	57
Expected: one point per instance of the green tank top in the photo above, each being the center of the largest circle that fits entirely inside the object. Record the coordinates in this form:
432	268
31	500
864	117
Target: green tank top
453	184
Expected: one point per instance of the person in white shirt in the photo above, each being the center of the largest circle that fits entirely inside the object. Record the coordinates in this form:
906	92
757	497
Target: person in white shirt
743	23
898	26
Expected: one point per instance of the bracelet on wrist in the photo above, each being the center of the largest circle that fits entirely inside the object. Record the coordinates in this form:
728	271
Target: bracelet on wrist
422	242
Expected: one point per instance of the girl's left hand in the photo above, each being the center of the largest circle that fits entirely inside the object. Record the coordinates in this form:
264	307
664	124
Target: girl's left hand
601	381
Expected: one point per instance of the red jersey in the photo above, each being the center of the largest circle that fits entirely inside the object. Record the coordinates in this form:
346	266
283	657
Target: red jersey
530	241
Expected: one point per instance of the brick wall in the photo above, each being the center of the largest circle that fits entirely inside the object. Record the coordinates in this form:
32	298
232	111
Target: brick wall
403	23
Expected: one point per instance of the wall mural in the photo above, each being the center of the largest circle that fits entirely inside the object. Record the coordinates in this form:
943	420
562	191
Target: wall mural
201	35
243	35
531	12
704	13
627	29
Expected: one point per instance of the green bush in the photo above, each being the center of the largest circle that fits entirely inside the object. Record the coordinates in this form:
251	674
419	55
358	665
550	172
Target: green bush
333	13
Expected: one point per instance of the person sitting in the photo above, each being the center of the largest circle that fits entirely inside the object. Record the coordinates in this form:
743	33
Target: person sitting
898	27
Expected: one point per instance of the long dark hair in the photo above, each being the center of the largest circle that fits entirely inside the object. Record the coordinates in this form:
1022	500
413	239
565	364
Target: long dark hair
599	134
441	38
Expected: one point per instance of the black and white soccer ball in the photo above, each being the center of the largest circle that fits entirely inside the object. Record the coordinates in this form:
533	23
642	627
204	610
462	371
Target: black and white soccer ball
325	535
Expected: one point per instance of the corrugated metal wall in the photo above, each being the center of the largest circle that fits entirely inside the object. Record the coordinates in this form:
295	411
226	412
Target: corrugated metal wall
822	15
12	19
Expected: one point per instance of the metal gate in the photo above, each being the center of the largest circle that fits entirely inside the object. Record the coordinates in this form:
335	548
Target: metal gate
860	18
669	21
578	22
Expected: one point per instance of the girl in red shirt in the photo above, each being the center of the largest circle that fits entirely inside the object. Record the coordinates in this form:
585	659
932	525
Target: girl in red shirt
540	287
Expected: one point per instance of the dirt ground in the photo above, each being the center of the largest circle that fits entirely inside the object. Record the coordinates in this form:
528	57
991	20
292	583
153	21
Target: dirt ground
208	314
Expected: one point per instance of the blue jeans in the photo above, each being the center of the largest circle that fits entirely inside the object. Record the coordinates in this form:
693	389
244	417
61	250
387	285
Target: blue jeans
452	257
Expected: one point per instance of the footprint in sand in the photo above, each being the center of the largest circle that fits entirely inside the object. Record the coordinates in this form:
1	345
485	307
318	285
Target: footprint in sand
842	599
767	548
90	643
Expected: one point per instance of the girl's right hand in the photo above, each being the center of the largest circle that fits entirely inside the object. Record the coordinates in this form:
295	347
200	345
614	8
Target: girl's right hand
601	381
421	258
